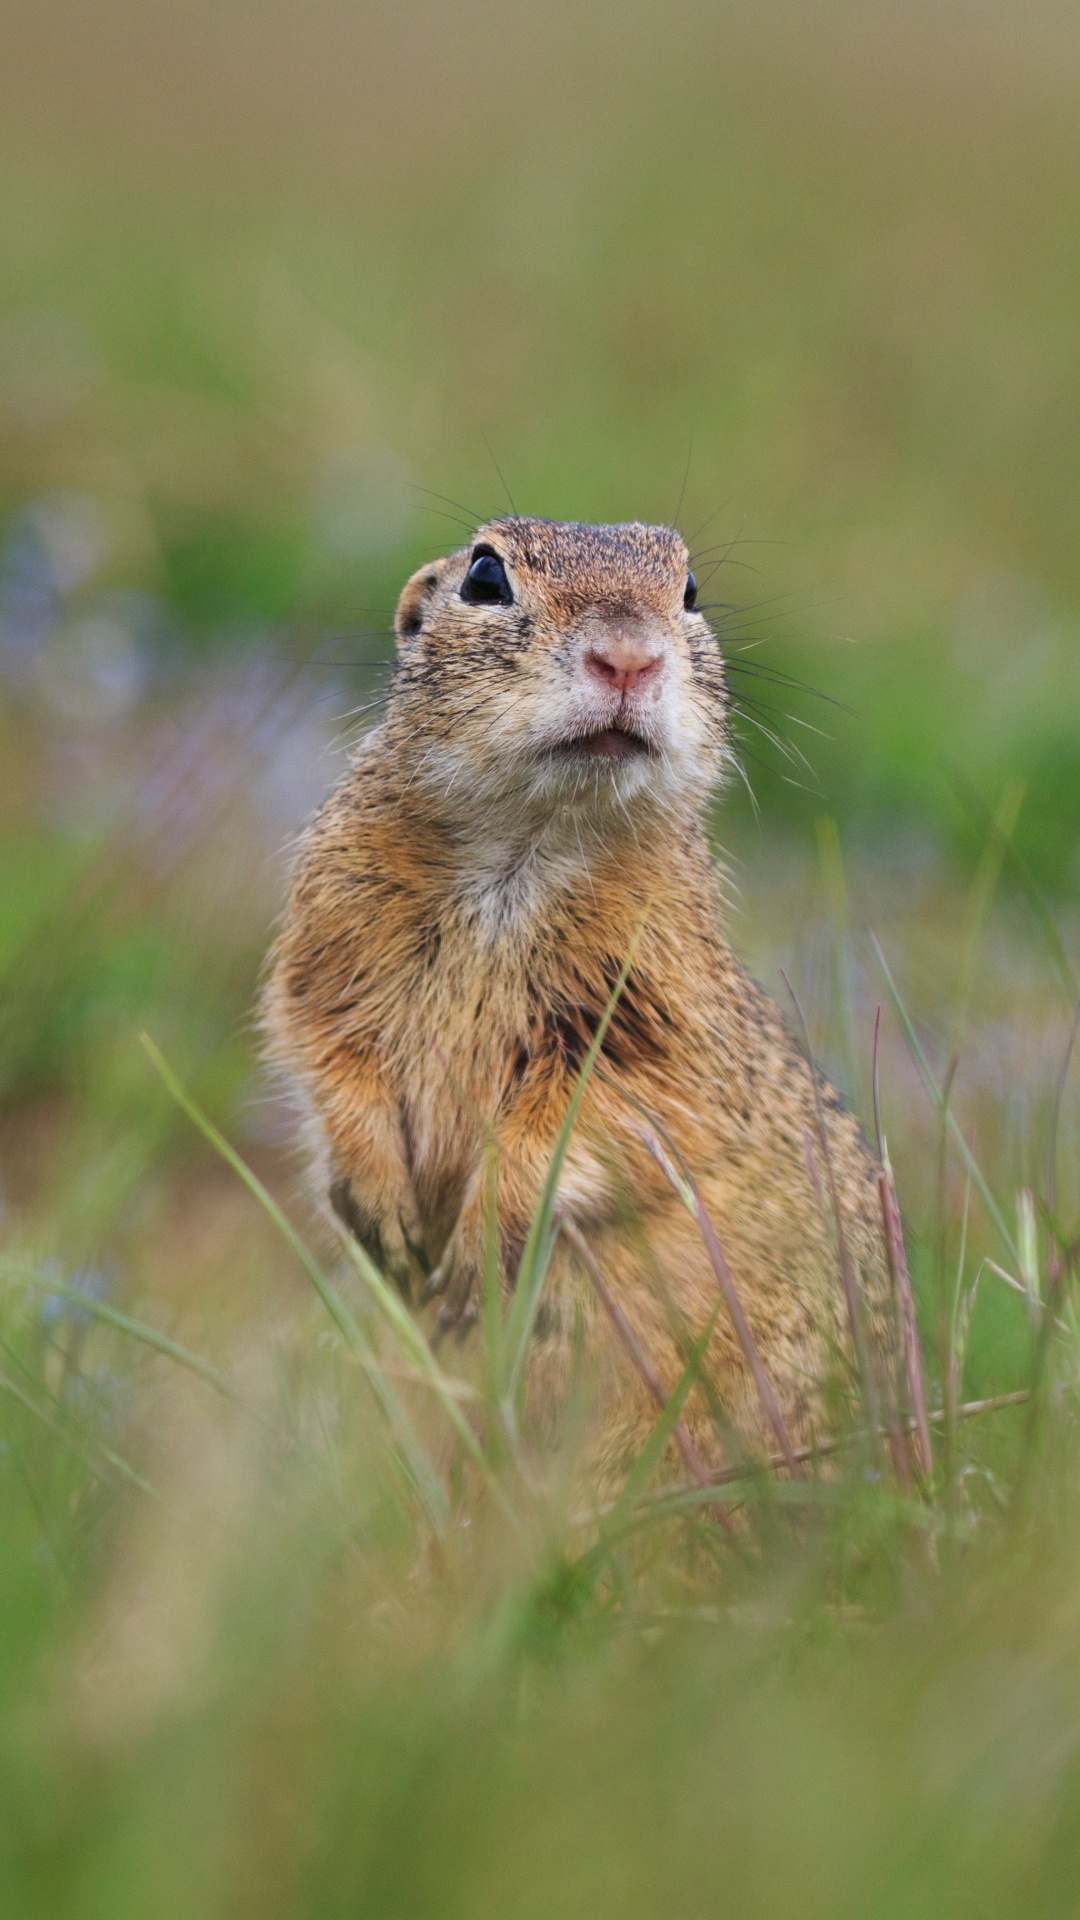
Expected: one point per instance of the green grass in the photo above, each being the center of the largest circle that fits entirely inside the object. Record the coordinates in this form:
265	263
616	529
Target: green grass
332	1634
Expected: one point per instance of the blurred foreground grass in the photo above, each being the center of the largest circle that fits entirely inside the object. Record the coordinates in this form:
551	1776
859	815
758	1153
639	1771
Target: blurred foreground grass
264	277
305	1621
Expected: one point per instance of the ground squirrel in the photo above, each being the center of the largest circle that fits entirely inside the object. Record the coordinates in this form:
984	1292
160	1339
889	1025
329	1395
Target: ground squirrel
460	913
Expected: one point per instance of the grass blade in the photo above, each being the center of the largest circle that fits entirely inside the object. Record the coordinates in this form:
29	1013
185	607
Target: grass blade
938	1098
909	1330
1055	1114
59	1429
652	1452
411	1339
122	1322
542	1229
833	1444
847	1276
426	1480
997	833
694	1464
324	1287
660	1144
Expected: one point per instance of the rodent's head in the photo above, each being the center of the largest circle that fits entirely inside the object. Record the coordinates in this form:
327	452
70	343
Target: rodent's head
550	664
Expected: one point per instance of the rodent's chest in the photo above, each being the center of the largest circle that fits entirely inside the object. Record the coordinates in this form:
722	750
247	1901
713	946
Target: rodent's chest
458	1022
460	1011
483	1005
496	1034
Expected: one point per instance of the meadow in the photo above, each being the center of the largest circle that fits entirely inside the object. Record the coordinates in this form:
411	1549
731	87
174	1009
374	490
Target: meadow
292	1619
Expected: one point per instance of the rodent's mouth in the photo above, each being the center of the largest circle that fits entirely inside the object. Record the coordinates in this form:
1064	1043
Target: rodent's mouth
608	743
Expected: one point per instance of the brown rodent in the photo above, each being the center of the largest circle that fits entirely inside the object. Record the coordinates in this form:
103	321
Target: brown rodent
461	910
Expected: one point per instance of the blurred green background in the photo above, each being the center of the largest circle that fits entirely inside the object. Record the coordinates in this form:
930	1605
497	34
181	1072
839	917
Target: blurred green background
265	269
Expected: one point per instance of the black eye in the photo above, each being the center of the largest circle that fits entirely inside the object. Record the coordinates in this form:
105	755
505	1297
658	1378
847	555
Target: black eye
690	595
486	581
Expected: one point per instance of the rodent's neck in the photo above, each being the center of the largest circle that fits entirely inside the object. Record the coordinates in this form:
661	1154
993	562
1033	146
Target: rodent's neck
510	876
567	842
510	855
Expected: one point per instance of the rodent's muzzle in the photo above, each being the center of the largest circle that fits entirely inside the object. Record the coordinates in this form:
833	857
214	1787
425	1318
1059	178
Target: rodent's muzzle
624	658
621	670
617	704
606	743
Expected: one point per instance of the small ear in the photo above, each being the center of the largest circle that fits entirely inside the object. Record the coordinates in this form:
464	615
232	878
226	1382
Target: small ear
413	603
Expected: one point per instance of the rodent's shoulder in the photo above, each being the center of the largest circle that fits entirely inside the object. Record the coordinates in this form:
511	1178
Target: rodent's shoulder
368	861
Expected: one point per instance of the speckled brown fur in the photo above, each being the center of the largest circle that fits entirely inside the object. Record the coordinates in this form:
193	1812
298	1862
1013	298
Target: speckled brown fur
462	907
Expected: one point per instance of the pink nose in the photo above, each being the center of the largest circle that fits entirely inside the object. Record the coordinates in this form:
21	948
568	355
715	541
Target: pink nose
623	661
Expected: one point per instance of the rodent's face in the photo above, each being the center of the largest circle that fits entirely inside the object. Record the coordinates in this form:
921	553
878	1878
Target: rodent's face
560	664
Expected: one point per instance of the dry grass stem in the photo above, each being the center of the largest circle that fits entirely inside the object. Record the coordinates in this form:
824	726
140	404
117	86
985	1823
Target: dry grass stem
847	1276
822	1449
674	1168
909	1331
692	1460
726	1284
1054	1263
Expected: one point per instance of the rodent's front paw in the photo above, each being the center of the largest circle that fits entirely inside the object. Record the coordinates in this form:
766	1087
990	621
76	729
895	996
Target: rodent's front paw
457	1279
391	1239
402	1256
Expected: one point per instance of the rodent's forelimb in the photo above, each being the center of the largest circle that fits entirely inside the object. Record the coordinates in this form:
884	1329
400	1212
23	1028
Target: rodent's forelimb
386	1237
481	1239
478	1240
368	1181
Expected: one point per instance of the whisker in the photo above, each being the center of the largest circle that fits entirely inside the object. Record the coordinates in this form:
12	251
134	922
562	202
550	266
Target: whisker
726	561
756	670
685	478
705	523
476	518
500	473
786	749
441	514
776	599
736	761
